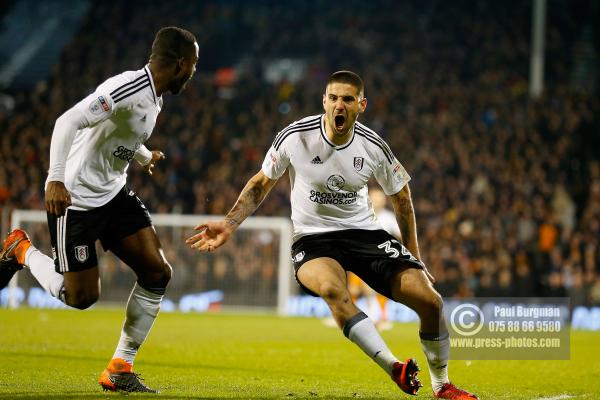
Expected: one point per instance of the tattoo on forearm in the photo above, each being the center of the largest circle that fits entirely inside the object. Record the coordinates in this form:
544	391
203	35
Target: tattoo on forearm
247	203
406	216
405	205
404	229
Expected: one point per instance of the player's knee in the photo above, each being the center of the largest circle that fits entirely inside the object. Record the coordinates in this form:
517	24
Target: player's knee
159	276
333	292
165	274
81	299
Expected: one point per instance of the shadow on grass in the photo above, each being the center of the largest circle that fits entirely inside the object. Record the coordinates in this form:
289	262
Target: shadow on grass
172	365
103	360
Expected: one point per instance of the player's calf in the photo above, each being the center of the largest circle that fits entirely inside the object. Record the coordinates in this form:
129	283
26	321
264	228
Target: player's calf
7	270
430	314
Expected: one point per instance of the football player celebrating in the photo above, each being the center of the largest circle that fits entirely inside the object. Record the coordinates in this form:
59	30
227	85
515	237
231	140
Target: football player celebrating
330	158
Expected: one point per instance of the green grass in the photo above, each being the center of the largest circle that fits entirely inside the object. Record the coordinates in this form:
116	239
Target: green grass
59	354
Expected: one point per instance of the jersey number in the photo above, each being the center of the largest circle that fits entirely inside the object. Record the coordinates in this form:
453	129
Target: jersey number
394	253
387	246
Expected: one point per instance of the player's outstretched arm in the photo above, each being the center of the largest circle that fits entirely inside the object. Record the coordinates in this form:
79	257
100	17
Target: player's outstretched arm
213	234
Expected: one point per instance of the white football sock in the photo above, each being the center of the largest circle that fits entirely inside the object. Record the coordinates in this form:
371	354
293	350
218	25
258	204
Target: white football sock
142	309
437	350
42	268
360	330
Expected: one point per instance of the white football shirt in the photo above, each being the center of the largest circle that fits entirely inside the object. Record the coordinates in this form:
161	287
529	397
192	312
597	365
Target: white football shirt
388	222
329	182
115	120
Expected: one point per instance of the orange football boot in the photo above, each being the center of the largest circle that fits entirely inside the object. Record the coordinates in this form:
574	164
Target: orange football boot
12	255
119	376
15	246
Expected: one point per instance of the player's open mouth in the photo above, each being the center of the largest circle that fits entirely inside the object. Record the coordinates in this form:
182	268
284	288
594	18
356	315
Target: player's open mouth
339	122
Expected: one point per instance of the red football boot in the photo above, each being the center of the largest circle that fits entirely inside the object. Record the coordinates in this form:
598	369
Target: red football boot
449	391
405	376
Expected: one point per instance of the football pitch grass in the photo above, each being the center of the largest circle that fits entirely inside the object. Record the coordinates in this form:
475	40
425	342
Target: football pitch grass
60	353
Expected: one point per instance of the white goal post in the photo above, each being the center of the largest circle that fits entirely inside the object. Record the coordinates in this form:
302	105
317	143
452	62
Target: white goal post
274	232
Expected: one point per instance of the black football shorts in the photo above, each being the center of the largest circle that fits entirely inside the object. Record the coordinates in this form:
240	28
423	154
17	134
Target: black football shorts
73	235
374	256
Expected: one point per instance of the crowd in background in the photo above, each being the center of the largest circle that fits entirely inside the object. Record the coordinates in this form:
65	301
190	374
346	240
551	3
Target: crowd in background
506	188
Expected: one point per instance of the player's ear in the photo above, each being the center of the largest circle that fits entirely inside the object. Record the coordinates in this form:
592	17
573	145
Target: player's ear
324	99
362	105
179	65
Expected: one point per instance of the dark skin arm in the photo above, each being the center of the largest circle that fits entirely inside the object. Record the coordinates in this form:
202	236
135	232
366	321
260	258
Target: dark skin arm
57	198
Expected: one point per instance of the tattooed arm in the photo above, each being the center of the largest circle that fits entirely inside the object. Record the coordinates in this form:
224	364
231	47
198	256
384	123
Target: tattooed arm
215	233
252	195
405	215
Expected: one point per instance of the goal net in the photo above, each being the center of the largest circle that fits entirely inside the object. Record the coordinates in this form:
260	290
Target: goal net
253	270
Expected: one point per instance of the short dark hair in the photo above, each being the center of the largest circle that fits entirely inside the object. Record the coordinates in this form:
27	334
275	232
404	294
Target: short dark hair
348	77
172	43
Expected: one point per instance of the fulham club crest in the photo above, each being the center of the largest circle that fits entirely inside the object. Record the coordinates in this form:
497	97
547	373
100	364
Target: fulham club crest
358	163
81	253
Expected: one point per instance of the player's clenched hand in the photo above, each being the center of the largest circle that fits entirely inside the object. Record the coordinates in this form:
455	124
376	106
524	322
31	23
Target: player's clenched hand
58	198
211	235
156	156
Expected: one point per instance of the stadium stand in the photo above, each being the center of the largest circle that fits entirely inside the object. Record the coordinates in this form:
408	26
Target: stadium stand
507	188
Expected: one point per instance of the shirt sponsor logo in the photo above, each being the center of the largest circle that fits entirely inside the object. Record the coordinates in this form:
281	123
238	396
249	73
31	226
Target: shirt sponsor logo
273	157
124	153
81	253
358	163
335	182
333	198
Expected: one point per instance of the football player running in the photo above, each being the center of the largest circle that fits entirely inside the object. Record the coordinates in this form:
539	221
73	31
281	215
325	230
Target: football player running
87	199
